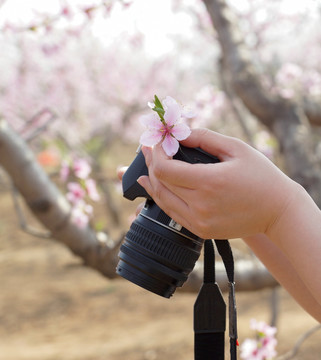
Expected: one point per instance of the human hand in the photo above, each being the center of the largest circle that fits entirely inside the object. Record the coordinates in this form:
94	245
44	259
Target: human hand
242	195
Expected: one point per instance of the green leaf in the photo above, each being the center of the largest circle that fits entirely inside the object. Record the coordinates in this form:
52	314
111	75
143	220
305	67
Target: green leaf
158	103
159	108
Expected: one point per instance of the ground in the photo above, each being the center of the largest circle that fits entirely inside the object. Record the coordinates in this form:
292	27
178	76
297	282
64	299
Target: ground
53	308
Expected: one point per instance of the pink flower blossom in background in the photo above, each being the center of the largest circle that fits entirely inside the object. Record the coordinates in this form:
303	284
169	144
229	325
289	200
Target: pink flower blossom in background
263	346
64	171
79	218
81	168
91	188
81	213
75	192
168	131
79	190
249	350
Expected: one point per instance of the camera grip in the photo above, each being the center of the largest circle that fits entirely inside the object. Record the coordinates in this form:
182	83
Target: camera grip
131	188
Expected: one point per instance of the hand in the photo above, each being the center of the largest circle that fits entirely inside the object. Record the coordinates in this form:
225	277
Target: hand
242	195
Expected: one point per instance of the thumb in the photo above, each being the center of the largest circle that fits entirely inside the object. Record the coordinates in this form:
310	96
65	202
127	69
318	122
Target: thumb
212	142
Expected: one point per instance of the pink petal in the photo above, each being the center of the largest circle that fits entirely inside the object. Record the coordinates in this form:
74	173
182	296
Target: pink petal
187	113
150	137
151	121
181	131
172	114
168	101
170	145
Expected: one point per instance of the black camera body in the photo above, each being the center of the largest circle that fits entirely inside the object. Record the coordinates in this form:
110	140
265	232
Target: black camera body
158	254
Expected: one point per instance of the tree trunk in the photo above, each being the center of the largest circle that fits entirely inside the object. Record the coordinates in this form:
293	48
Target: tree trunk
285	119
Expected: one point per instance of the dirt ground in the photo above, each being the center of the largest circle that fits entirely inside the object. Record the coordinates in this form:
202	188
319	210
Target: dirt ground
52	308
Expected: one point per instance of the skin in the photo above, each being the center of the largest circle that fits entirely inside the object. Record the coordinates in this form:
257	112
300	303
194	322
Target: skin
244	196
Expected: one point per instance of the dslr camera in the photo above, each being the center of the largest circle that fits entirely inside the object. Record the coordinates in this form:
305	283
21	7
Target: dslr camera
158	254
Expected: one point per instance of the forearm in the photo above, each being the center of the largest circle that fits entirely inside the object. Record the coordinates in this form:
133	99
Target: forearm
284	272
242	195
291	250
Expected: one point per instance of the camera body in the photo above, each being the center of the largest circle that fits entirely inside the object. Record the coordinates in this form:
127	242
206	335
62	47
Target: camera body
158	254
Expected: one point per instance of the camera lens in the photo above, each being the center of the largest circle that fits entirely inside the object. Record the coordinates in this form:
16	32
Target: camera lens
158	254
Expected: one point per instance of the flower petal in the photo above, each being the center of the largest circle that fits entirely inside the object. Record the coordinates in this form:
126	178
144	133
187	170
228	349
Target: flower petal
168	101
172	114
151	121
181	131
188	113
170	145
150	137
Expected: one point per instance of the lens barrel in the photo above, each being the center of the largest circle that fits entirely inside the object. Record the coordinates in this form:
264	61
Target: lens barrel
157	257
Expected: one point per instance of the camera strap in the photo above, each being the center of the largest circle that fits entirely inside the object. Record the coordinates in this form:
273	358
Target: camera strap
210	307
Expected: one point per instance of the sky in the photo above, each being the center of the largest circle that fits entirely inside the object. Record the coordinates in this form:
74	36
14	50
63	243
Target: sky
151	12
152	18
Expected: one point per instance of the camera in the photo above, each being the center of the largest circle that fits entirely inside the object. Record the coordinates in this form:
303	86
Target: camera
158	254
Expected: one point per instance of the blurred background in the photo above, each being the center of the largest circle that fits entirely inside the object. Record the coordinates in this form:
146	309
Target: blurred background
75	78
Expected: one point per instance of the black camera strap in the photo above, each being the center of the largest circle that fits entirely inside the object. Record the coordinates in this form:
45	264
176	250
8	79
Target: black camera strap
210	307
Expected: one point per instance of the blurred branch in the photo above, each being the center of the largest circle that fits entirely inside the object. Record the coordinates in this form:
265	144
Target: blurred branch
50	207
250	275
284	118
37	124
235	106
292	353
275	306
22	221
312	110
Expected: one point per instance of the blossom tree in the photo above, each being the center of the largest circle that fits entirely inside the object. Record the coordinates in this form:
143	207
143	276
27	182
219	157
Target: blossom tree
68	94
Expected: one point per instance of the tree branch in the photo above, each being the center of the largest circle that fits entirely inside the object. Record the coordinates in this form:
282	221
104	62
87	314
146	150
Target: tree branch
312	110
52	209
286	120
250	274
49	206
292	353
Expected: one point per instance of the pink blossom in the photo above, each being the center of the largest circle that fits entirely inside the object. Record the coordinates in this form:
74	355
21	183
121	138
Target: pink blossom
249	350
81	213
262	328
75	192
185	111
66	12
92	190
79	218
168	131
64	171
289	72
263	347
81	168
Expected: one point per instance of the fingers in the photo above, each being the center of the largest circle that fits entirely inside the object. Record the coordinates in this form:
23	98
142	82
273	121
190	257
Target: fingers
175	207
121	171
214	143
139	208
171	171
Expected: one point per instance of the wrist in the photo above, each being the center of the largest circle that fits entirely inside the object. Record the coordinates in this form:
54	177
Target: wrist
288	211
